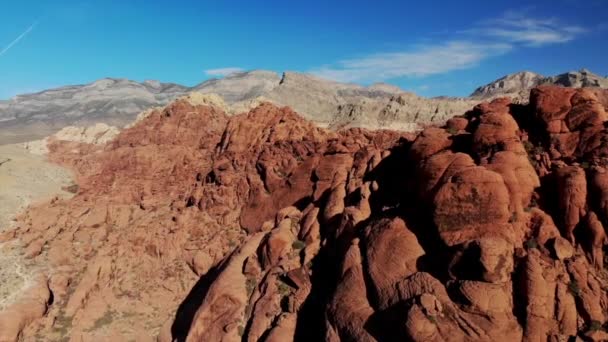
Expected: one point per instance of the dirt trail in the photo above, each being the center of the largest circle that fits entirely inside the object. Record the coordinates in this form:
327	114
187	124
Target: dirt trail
25	178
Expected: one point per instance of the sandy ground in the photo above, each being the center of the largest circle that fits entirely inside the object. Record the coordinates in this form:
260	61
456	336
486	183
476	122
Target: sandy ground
25	178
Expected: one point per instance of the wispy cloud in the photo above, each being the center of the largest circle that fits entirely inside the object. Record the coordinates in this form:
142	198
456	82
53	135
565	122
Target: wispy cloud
482	41
422	60
516	27
16	40
222	72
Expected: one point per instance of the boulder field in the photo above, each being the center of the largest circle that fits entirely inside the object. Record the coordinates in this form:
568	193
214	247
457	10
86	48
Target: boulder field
192	225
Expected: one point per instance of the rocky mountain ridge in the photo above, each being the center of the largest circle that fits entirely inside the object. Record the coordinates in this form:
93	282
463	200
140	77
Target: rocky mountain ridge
195	225
117	102
518	85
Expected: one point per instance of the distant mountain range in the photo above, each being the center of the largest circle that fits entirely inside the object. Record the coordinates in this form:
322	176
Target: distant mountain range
519	84
118	101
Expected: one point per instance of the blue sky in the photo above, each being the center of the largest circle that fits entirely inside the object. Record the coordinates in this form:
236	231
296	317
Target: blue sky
430	47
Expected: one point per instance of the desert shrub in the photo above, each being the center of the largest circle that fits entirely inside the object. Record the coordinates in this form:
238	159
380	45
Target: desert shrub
251	283
298	244
595	326
72	188
452	130
284	289
106	319
531	244
574	288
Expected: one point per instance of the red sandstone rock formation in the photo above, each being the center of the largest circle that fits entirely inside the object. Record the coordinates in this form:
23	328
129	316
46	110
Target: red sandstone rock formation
195	226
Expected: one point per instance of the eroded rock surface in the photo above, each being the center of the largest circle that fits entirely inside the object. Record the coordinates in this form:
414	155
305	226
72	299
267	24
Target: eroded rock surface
193	225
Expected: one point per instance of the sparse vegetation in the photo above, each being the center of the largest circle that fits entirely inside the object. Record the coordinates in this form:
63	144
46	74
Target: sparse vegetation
298	244
432	318
595	326
106	319
531	149
533	204
585	165
241	330
284	289
533	162
452	130
72	188
574	288
531	243
63	325
251	283
532	152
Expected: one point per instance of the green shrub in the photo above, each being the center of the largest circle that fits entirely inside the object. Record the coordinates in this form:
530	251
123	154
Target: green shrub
251	283
595	326
284	289
531	244
574	288
452	130
298	244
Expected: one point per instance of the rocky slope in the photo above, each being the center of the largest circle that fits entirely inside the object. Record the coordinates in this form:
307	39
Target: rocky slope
580	79
518	85
489	229
193	225
111	101
512	84
24	179
117	102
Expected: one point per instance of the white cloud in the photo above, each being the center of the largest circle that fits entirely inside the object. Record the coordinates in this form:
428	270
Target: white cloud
489	38
422	60
222	72
16	40
518	28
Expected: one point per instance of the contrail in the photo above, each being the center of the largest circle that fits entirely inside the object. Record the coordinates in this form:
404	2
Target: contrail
21	36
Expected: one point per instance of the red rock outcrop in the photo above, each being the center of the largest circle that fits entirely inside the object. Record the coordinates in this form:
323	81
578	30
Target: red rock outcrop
267	228
573	119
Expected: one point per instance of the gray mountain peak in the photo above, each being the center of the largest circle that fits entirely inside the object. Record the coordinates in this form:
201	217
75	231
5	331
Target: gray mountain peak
518	85
117	101
509	84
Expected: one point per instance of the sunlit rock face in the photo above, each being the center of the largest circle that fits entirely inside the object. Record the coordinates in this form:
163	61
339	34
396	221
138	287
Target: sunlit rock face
201	226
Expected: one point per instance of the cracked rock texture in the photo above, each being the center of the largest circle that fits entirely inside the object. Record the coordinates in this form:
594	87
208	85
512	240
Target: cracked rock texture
193	225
